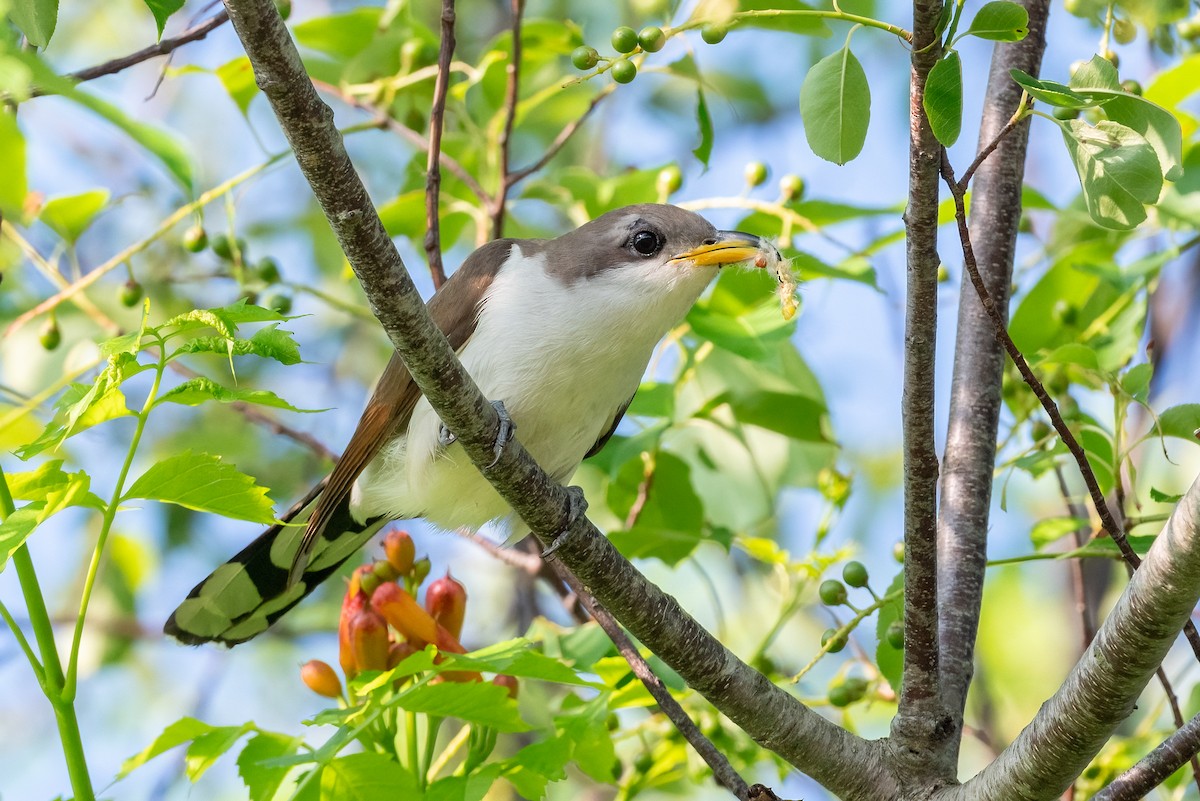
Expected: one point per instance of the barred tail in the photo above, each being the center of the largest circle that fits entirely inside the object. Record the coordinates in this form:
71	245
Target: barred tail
247	594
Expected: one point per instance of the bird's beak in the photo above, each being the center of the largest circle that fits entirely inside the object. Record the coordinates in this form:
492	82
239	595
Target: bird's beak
727	247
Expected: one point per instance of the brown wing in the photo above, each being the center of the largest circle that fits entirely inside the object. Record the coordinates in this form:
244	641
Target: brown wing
455	309
607	435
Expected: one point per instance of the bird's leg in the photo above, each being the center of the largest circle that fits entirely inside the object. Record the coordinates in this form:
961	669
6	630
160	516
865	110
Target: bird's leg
446	437
578	507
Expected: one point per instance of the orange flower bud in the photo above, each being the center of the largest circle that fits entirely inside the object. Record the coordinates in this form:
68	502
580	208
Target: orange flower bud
369	640
352	604
398	652
446	600
406	616
509	683
320	678
401	551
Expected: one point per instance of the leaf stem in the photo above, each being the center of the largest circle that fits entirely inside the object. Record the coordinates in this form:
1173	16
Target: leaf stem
110	513
867	22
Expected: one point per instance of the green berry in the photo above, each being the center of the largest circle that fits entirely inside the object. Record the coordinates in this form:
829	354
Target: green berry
943	274
1132	87
624	39
1040	430
791	187
756	173
1064	313
267	269
832	592
856	686
1124	31
855	574
1061	113
131	293
898	551
839	696
279	302
1111	57
195	239
51	336
895	635
623	71
1189	29
832	641
713	32
224	247
669	180
584	57
651	38
284	7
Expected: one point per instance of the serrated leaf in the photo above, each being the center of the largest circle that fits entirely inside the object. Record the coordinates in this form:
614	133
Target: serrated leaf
69	216
943	98
12	166
270	342
481	703
262	780
207	748
1182	421
1158	496
1118	170
368	777
1000	21
82	406
195	391
704	122
36	19
17	527
162	145
835	105
224	320
162	11
202	482
181	731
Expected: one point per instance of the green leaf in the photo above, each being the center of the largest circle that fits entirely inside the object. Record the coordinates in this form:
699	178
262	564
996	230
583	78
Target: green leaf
270	342
1047	531
36	19
237	76
195	391
481	703
1096	73
670	523
1136	381
162	11
1056	94
368	777
261	778
1118	170
944	96
835	105
162	145
181	731
1000	21
225	320
69	216
704	122
518	658
202	482
1159	126
890	660
1158	496
12	166
207	748
17	527
1182	421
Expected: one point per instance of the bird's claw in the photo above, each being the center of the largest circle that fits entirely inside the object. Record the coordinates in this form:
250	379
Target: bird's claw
446	437
578	506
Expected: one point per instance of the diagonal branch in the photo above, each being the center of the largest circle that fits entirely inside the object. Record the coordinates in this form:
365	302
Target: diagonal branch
847	764
511	98
970	454
433	169
1154	768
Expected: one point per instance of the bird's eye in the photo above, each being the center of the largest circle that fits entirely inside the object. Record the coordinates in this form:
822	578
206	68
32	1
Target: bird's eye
646	243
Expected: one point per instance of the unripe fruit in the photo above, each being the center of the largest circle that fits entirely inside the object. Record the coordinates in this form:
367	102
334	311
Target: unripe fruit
368	582
791	187
1111	57
267	269
1132	87
131	293
669	180
756	173
898	551
856	686
855	574
1124	31
383	570
624	71
320	678
943	274
832	642
895	634
369	640
279	302
51	335
624	39
420	570
713	33
832	592
839	696
446	600
584	57
509	683
195	239
1041	429
1061	113
223	246
651	38
400	550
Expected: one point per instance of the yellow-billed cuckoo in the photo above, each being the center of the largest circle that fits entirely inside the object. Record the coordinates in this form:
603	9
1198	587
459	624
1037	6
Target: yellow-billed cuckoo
560	331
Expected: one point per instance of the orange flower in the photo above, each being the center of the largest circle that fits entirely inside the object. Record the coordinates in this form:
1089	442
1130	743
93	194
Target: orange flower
319	677
446	600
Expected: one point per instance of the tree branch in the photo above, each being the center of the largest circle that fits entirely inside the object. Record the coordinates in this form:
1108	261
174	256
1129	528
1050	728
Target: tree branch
1102	688
975	402
1154	768
561	140
433	170
511	98
918	726
848	765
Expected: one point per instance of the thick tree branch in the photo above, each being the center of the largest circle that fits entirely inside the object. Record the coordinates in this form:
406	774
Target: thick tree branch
975	402
845	763
919	725
1100	692
433	169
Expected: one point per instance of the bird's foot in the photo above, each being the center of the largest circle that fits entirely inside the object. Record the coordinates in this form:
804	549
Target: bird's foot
578	507
446	437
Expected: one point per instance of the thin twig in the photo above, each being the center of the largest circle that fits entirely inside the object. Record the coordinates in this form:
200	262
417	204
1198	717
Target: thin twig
1109	523
1177	715
1008	128
160	48
433	171
723	772
511	95
1086	624
561	140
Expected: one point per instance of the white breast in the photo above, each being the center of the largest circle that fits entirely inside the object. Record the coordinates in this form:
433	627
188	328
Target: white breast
564	357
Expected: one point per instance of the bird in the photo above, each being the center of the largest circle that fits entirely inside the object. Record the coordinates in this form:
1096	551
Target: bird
558	331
